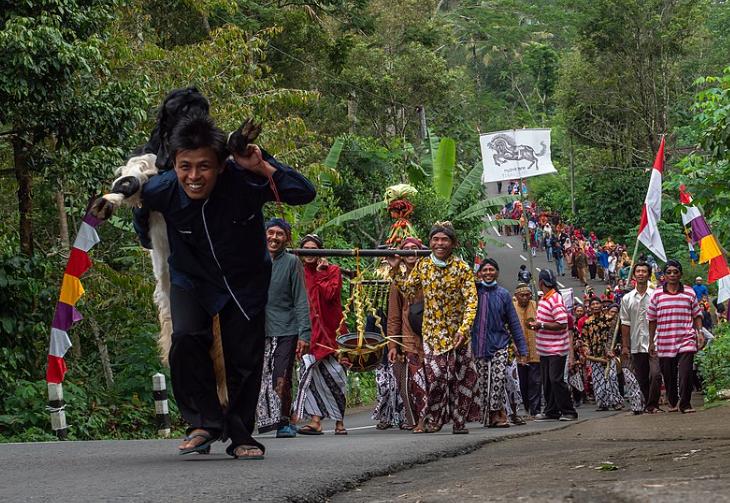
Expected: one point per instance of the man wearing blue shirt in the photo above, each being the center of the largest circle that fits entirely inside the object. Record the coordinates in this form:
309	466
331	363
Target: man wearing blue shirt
496	327
700	289
219	265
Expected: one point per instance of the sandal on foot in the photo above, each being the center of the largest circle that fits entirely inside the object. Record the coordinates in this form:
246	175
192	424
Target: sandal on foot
245	448
460	431
340	431
382	426
308	429
499	425
688	411
201	448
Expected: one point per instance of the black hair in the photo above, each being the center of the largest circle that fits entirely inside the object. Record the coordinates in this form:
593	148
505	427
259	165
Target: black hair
198	131
642	263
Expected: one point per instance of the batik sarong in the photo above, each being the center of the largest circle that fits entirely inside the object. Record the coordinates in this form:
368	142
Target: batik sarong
512	393
275	398
605	384
491	373
415	383
633	390
322	388
389	408
575	378
451	381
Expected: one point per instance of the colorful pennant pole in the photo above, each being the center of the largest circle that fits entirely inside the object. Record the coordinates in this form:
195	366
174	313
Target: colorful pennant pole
65	316
710	251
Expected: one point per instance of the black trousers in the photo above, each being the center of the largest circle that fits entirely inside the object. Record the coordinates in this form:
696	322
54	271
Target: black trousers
557	394
646	370
284	357
677	374
191	368
531	387
592	270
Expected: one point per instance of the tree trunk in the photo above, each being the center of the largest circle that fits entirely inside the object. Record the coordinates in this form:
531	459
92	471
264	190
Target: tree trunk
25	195
103	353
62	220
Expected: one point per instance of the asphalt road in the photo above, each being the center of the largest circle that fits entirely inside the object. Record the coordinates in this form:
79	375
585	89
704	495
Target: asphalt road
301	469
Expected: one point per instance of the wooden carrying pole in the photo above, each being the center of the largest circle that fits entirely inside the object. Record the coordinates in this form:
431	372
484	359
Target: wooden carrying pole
355	252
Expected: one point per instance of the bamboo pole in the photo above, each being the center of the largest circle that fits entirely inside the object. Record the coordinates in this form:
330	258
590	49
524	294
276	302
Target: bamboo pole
355	252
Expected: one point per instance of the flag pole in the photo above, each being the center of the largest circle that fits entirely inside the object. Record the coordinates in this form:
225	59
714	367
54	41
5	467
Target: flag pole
633	264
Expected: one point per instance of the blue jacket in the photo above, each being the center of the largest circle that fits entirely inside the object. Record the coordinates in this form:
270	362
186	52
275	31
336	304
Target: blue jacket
494	314
218	245
603	259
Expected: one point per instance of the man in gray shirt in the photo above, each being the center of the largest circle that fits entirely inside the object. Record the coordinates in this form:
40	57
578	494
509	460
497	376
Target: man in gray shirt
635	337
288	331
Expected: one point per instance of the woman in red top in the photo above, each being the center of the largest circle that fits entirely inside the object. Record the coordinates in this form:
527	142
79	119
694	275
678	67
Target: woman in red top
323	384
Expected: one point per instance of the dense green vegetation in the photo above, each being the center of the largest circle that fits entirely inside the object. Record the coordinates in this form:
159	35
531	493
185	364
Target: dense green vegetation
80	80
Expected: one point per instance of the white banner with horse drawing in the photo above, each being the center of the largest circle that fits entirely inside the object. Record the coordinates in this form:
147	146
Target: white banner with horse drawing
516	153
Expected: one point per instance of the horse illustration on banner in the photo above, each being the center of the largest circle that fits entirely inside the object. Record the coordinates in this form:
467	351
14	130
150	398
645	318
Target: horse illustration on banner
507	150
515	154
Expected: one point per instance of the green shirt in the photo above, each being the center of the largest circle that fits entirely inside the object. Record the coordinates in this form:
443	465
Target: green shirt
287	310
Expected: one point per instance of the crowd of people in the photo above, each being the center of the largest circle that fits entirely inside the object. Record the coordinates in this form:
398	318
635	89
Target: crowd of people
539	355
467	348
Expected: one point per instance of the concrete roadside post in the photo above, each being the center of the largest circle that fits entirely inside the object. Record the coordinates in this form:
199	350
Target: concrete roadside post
159	393
56	407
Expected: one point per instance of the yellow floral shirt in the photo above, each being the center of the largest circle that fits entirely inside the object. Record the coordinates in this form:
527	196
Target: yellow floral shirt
449	300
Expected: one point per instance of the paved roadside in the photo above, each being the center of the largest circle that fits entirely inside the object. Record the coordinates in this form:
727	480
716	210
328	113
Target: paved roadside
620	458
302	469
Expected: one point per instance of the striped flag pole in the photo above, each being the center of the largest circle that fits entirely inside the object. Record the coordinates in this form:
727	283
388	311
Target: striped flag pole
56	407
159	392
64	318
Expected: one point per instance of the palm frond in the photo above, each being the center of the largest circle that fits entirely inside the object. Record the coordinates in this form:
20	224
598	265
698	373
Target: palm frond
471	182
357	214
333	156
484	206
310	211
443	167
487	239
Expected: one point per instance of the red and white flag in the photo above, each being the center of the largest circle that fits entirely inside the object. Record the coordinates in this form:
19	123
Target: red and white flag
652	211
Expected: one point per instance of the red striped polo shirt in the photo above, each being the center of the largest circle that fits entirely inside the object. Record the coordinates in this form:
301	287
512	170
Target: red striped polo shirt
674	315
552	342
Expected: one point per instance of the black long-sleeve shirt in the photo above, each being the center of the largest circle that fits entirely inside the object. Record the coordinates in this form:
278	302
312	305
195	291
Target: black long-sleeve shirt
218	245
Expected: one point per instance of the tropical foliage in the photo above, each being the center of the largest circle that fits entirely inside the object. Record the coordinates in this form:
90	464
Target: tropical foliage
355	97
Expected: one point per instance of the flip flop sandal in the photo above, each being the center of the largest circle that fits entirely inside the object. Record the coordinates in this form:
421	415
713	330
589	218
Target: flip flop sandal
499	425
688	411
382	426
460	431
309	430
341	431
202	448
231	451
406	427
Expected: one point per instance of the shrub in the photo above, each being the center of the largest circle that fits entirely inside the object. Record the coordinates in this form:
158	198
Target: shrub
714	363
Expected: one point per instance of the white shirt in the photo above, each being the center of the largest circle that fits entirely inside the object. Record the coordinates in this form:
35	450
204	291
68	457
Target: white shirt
633	314
612	263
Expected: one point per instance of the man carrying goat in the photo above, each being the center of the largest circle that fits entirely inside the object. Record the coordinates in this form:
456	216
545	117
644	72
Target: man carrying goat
219	265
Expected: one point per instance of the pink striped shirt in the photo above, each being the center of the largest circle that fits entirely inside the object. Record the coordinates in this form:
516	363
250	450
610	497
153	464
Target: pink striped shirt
674	315
552	342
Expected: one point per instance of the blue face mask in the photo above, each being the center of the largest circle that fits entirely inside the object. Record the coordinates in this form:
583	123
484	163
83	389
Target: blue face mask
491	283
438	262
